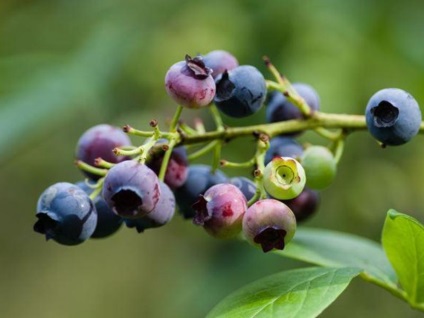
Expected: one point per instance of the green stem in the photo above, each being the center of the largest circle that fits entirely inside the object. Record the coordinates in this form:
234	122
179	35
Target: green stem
123	152
202	151
338	151
97	189
216	156
165	159
284	86
88	168
246	164
175	119
394	290
262	147
144	150
331	135
216	117
318	119
187	129
99	162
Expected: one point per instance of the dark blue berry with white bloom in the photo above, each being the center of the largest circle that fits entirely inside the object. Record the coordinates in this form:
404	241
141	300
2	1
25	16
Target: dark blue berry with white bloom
393	116
99	142
220	210
279	108
131	189
240	92
107	221
269	224
283	146
65	214
190	83
220	61
245	185
161	214
199	179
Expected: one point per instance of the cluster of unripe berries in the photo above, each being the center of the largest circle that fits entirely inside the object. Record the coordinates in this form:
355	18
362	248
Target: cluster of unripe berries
124	186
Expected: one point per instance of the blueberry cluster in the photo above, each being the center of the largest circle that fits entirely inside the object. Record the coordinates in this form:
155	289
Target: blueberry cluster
143	186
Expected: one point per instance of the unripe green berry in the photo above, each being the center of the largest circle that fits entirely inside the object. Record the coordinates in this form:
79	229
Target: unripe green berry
320	167
284	178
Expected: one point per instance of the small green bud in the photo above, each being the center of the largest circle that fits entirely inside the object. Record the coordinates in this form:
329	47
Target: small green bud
284	178
320	167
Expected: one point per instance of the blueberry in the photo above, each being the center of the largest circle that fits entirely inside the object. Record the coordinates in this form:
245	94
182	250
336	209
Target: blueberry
189	83
199	179
220	210
107	221
284	178
220	61
240	92
304	205
245	185
161	214
279	108
270	224
65	214
283	146
320	167
99	141
177	170
131	189
393	116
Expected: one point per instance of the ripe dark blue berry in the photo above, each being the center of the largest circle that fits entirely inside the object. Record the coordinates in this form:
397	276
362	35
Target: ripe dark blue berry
393	116
283	146
107	221
245	185
220	210
99	142
220	61
269	224
240	92
304	205
199	179
131	189
189	83
177	170
65	214
161	214
279	108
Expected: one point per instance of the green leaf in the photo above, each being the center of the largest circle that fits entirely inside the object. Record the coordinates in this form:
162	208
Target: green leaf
336	249
403	241
304	292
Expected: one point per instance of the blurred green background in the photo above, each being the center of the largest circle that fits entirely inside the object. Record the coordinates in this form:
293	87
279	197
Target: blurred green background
68	65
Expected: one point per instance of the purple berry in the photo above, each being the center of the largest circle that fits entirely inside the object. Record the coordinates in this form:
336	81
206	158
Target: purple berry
240	92
189	83
177	170
220	61
270	224
304	205
199	179
220	210
131	189
65	214
107	221
161	214
98	142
